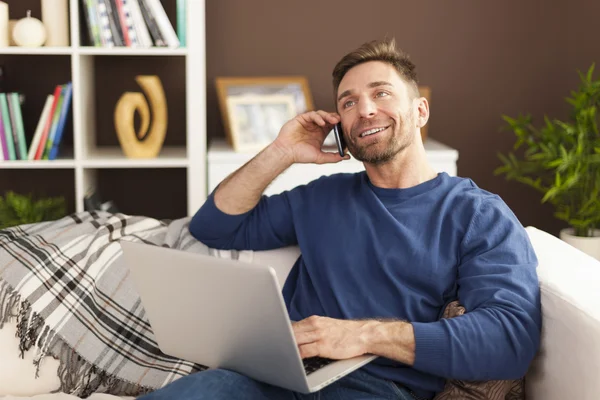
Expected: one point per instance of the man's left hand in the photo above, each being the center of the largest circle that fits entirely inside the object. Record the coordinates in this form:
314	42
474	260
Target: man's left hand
330	338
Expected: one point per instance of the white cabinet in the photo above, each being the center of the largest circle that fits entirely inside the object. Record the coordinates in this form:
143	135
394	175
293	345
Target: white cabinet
222	161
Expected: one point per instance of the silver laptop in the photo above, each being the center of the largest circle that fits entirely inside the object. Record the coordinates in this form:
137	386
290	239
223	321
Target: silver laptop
228	314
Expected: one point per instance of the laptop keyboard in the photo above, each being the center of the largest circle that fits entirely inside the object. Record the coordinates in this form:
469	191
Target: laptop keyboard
312	364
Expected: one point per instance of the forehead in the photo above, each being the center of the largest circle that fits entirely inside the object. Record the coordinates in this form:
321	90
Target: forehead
359	77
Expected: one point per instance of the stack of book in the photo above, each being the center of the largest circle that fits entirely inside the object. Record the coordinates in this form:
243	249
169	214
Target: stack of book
48	134
133	23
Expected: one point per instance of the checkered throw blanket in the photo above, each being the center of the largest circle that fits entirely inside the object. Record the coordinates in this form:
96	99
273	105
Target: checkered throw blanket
68	286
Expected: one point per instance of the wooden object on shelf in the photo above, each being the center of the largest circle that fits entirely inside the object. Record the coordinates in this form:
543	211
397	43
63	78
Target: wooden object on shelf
149	139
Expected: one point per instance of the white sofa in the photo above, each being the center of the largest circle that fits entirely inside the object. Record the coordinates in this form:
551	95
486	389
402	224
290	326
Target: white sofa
567	366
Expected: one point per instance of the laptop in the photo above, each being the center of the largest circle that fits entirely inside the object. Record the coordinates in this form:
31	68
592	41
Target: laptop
225	313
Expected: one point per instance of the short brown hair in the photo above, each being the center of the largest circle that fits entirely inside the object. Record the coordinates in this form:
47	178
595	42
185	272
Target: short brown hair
377	50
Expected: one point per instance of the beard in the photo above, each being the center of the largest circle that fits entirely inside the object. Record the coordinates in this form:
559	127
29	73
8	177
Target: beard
385	149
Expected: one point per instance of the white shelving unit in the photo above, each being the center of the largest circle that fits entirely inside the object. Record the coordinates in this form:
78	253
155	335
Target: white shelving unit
87	159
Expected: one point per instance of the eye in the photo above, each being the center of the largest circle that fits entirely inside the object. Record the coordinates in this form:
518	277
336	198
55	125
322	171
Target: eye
381	94
348	103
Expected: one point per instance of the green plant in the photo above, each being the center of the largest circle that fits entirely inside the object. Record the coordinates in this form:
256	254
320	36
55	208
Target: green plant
562	158
17	209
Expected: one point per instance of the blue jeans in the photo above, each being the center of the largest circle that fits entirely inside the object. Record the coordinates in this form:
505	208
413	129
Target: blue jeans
220	384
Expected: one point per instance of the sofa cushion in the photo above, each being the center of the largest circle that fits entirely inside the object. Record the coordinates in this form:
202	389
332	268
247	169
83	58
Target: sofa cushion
569	359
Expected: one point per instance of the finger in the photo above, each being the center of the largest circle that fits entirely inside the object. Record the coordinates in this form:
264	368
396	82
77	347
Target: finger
317	118
329	158
309	350
329	117
306	337
305	325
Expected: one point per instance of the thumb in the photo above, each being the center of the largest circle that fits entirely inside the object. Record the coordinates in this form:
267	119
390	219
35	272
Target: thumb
325	157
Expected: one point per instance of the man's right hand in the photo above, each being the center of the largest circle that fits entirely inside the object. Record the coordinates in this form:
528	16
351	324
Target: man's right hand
302	137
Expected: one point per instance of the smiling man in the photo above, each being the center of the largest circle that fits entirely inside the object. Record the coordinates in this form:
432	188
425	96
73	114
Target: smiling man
383	251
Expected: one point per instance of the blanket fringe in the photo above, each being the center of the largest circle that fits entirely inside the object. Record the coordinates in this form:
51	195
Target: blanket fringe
9	299
77	376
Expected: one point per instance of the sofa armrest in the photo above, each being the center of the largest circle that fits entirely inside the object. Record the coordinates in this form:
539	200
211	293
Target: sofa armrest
282	260
569	359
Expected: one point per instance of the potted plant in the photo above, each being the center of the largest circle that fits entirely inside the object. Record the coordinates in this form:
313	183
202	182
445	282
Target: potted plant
17	209
562	161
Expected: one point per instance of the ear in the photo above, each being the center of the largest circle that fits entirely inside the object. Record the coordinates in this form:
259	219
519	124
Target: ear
422	112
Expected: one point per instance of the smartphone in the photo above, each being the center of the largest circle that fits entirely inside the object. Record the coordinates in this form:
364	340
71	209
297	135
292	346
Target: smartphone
339	138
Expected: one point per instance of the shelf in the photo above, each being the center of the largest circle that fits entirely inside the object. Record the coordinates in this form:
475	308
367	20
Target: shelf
38	164
113	157
32	51
129	51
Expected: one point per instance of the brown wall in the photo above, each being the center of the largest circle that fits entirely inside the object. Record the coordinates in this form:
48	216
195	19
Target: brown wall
481	59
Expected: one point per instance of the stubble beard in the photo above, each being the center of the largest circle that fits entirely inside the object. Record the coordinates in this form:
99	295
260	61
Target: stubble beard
400	139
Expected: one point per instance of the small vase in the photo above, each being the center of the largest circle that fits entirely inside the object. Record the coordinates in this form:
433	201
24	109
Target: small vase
589	245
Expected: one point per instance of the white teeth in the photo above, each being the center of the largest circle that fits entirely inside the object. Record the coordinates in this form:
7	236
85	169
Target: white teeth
371	131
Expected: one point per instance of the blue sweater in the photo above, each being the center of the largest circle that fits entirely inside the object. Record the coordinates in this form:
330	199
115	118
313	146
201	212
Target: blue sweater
369	252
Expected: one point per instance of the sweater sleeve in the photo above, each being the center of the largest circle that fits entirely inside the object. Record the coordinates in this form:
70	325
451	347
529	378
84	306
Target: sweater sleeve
499	334
267	226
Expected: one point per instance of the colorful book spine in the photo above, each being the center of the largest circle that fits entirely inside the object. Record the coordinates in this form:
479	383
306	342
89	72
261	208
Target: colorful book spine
181	22
54	126
157	36
16	106
39	130
166	29
7	127
13	126
62	121
5	155
40	150
104	20
91	6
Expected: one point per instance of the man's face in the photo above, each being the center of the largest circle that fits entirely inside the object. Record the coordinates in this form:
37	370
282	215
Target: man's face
378	116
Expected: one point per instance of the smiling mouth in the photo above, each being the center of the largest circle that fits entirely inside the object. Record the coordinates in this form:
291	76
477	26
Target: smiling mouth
372	132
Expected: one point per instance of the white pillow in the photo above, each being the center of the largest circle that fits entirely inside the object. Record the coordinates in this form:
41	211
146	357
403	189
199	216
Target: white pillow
17	375
569	359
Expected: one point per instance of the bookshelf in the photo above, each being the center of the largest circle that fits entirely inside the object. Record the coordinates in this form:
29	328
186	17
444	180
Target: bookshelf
171	185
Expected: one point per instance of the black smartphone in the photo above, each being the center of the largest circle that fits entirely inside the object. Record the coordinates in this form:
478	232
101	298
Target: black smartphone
339	138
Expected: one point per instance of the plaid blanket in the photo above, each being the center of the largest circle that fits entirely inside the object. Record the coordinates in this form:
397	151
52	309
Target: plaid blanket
66	283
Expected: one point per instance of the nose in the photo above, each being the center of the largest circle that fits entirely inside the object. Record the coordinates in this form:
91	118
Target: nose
367	108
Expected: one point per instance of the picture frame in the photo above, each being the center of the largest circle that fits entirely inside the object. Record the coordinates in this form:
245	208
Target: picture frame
254	109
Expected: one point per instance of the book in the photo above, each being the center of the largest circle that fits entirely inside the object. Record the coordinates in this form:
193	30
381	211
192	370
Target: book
13	126
115	22
62	120
18	119
12	155
153	27
166	29
37	137
48	124
141	29
91	15
123	23
54	126
104	21
181	22
5	155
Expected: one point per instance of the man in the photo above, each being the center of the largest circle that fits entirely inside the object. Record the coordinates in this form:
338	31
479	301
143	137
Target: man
383	251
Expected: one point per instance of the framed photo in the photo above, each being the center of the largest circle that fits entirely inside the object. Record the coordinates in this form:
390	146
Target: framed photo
255	120
255	109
